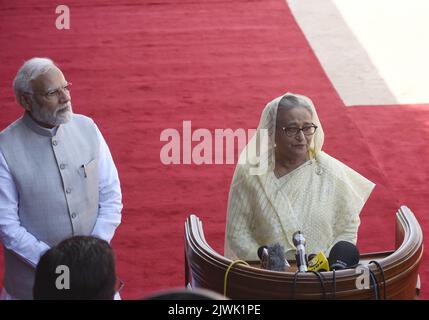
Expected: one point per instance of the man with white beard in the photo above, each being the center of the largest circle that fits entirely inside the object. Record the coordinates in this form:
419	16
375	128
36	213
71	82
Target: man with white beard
57	176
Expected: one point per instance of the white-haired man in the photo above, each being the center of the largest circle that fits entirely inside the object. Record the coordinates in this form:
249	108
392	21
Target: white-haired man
57	176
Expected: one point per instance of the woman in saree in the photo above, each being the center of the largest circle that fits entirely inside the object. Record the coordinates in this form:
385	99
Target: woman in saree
301	189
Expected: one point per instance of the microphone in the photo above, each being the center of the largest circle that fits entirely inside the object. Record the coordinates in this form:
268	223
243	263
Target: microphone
273	258
343	255
318	262
263	256
301	258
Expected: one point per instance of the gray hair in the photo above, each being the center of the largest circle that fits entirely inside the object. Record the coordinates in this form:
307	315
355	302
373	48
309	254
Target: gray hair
289	102
30	70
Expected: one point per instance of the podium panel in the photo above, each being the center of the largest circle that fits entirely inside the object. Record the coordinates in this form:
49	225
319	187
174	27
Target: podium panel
206	268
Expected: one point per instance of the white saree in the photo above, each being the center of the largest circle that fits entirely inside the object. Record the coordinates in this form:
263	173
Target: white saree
322	198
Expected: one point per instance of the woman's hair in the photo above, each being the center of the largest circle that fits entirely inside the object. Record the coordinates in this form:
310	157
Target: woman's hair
289	102
30	70
91	271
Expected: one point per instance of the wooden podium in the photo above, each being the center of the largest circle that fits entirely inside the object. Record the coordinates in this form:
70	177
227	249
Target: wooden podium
205	268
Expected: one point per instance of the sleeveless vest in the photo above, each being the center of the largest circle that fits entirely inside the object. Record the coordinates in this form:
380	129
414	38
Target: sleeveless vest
56	177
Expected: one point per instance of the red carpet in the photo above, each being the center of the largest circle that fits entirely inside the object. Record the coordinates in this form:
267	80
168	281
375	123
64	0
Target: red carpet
138	69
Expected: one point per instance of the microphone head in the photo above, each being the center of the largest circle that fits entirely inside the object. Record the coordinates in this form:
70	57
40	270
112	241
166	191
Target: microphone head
298	239
261	250
343	255
263	256
318	262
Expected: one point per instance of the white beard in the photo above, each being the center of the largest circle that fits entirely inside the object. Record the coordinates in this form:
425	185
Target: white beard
61	115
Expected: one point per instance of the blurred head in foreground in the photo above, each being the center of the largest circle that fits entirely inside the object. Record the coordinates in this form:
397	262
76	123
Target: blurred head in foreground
185	294
80	267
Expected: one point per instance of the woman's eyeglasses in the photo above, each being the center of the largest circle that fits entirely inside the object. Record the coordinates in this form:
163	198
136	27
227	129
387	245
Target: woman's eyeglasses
293	131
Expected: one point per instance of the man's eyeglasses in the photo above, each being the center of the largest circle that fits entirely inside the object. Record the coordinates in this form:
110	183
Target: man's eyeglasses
56	93
293	131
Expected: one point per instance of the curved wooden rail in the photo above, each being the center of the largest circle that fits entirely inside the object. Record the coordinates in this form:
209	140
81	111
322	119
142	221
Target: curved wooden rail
205	268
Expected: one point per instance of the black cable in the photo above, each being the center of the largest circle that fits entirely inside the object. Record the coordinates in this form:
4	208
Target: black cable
295	278
322	282
382	277
374	284
334	284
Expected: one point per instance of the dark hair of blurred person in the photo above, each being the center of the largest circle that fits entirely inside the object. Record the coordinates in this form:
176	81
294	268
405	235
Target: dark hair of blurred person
91	265
185	294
